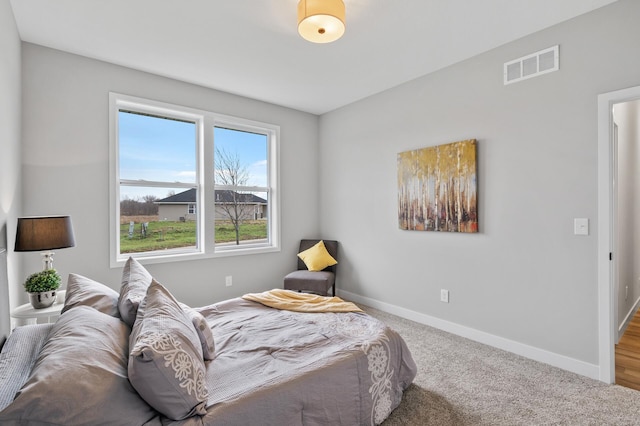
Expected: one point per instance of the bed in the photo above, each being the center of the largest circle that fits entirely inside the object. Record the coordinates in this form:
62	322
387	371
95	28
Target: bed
140	357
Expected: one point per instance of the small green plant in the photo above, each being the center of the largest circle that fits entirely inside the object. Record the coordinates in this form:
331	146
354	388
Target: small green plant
46	280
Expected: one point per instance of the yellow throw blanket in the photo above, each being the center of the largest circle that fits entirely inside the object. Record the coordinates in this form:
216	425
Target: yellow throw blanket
301	302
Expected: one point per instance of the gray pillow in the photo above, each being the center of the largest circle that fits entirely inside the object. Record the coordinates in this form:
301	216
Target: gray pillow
135	281
80	376
165	362
83	291
204	332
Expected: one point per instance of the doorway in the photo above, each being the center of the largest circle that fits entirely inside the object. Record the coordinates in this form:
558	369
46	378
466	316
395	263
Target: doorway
608	262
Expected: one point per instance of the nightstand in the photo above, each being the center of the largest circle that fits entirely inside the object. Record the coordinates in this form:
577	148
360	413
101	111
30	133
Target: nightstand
30	315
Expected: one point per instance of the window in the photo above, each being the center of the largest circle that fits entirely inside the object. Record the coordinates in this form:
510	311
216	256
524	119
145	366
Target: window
240	163
188	183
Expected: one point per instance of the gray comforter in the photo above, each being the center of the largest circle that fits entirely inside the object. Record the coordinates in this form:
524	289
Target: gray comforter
289	368
272	367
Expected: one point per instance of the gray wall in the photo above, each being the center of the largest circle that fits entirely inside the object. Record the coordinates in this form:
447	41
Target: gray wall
627	117
10	191
525	277
65	170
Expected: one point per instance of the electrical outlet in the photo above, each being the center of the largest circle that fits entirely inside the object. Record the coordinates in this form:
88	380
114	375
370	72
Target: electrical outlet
444	296
228	281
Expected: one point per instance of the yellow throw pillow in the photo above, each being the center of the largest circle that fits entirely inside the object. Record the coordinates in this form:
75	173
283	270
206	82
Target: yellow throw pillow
317	257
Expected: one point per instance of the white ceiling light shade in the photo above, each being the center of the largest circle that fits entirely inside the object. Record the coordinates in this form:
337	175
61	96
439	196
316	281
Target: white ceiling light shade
321	21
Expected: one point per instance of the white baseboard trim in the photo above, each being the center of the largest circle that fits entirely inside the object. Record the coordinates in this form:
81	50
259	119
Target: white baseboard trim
627	319
561	361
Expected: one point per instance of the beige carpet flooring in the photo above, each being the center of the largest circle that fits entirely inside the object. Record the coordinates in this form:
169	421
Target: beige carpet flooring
461	382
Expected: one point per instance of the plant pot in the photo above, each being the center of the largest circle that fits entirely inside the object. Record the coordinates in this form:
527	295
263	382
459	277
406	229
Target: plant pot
43	299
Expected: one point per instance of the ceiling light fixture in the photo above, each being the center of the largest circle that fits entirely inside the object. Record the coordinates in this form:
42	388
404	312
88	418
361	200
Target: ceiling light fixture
321	21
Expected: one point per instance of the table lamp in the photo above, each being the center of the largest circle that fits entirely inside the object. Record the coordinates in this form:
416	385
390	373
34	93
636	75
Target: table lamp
44	233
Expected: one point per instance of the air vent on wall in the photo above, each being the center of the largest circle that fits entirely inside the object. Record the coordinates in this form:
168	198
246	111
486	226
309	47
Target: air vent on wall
542	62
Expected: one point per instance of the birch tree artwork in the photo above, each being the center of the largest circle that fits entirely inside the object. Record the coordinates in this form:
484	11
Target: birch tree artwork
437	188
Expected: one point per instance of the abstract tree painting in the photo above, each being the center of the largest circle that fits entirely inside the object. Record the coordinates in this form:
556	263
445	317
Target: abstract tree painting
437	188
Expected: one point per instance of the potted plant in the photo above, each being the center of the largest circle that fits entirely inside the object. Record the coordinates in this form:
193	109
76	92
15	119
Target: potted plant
42	287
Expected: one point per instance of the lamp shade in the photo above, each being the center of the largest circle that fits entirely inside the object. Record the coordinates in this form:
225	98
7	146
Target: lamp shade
321	21
44	233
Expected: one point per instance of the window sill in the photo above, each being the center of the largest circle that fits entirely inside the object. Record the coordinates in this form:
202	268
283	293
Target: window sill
182	255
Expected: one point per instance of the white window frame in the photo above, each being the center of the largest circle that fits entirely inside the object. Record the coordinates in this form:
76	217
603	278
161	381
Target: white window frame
245	188
205	205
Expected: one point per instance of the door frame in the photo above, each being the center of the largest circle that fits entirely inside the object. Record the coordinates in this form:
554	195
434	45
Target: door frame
606	297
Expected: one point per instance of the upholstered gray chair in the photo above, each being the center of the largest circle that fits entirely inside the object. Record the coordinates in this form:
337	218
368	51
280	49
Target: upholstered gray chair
318	282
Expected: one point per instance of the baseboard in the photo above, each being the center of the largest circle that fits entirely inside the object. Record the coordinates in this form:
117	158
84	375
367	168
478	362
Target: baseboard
627	319
561	361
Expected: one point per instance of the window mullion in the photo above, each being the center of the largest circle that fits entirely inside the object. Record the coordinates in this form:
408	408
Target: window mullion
155	184
208	199
243	188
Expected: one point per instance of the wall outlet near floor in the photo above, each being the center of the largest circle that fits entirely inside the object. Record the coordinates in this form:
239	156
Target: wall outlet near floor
228	280
444	296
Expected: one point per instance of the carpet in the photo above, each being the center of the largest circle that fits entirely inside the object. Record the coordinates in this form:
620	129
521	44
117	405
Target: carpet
462	382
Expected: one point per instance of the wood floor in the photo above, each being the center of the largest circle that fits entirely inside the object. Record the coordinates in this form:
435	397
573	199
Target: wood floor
628	355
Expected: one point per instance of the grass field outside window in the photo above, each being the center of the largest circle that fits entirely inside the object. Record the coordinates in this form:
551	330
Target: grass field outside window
163	235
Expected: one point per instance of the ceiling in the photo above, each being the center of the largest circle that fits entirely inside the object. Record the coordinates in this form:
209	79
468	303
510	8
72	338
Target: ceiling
251	47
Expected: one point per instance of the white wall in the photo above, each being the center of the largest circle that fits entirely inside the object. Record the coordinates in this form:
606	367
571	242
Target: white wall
627	117
10	191
525	277
65	170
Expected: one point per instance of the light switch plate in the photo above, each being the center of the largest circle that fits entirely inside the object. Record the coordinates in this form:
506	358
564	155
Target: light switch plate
581	226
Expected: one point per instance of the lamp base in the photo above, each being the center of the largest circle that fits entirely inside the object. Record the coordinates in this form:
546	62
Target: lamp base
47	260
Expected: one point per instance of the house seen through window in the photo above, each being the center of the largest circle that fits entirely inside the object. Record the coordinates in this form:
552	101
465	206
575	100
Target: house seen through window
189	182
